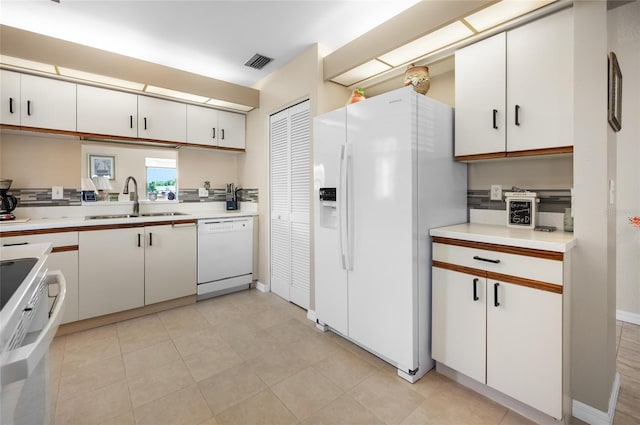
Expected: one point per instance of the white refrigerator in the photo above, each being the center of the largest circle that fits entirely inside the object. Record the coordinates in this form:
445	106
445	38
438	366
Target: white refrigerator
384	175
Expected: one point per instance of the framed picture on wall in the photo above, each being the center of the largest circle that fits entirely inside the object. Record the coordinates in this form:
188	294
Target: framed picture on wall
614	104
102	166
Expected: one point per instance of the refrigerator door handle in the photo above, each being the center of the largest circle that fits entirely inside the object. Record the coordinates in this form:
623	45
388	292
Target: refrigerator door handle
349	207
341	206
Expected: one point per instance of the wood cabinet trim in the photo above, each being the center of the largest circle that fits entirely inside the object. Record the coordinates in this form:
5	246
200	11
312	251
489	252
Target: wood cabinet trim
521	281
96	227
545	151
480	156
66	248
528	252
167	223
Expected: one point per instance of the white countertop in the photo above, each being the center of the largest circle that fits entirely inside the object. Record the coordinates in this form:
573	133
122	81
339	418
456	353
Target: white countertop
558	241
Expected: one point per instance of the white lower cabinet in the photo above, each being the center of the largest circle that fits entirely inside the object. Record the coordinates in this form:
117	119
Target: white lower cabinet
111	271
64	257
170	262
125	268
502	330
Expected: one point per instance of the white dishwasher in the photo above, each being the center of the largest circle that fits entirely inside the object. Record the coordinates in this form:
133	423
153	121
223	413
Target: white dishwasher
225	256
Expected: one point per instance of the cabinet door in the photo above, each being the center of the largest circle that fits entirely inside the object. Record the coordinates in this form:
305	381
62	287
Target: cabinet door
108	112
480	97
111	271
524	345
459	321
202	125
47	103
539	83
232	130
10	97
160	119
170	262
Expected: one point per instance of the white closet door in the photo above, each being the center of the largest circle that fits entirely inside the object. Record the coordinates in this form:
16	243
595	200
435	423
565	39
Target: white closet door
290	138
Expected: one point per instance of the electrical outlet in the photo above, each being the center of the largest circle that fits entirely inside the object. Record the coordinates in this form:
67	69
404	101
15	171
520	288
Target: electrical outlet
57	192
496	192
202	192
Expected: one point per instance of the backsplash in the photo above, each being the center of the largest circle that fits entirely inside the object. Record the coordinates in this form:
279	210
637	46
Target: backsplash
41	197
551	200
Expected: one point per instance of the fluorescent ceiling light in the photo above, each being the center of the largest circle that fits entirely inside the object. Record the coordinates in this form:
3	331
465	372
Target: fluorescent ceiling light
176	94
433	41
27	64
361	72
230	105
96	78
502	12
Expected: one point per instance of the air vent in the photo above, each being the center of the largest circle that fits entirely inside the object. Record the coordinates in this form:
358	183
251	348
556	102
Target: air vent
258	61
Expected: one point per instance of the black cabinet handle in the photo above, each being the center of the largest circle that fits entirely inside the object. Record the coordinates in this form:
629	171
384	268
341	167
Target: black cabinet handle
517	114
138	240
11	105
214	133
475	289
223	134
130	121
28	107
486	259
495	294
150	239
145	123
495	116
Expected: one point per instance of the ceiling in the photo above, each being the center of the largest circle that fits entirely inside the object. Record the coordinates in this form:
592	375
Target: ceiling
206	37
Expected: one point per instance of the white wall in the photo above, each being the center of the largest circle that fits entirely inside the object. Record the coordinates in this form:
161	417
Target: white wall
624	40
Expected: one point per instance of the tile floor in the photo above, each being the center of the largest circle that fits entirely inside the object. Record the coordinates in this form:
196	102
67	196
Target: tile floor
251	358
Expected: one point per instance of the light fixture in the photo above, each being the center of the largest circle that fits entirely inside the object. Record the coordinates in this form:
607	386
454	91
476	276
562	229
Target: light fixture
431	42
502	12
88	76
27	64
361	72
230	105
103	185
176	94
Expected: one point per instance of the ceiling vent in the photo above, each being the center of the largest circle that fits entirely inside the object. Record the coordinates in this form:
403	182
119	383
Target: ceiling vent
258	61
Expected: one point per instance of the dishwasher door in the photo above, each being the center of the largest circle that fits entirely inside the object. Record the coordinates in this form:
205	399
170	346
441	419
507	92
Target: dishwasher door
225	255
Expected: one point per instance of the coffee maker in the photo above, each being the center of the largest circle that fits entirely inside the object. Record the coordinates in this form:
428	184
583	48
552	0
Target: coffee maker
231	197
8	203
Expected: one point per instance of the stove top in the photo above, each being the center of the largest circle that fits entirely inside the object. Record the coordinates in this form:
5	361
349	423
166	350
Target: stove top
12	274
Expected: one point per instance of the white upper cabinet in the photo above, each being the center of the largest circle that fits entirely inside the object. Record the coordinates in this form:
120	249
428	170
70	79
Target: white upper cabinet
107	112
37	102
232	130
513	91
160	119
10	93
202	125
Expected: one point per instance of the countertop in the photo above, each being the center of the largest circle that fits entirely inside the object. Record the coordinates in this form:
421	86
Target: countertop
82	221
557	241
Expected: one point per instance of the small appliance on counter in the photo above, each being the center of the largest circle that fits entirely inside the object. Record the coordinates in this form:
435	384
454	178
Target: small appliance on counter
232	197
88	190
8	202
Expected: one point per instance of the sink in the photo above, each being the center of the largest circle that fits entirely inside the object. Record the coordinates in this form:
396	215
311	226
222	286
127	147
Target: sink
162	214
107	216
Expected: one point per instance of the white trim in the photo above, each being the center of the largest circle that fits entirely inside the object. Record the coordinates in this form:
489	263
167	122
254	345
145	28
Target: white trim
593	416
311	315
628	317
263	287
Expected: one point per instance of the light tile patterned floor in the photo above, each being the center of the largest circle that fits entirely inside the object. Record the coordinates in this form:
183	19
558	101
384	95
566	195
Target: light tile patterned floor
251	358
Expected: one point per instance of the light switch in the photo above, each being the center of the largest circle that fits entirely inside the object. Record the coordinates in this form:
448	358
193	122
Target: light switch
202	192
57	192
496	192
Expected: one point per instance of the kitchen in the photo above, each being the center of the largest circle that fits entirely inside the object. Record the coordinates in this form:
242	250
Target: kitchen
298	80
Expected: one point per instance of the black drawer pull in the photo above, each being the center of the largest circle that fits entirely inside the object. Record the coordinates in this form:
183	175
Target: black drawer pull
223	134
495	294
130	121
150	239
145	123
29	107
518	115
488	260
475	289
214	133
11	105
495	115
138	240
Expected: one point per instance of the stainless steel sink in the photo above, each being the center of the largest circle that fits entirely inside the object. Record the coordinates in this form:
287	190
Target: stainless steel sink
107	216
162	214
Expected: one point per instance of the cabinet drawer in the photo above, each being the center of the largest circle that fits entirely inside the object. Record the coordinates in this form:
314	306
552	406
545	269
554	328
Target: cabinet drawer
56	239
541	269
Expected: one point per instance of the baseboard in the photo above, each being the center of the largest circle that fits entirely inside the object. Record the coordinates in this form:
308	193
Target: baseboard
628	317
263	287
593	416
311	315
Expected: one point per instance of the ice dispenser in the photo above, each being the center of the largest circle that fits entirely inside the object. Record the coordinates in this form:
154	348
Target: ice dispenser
328	211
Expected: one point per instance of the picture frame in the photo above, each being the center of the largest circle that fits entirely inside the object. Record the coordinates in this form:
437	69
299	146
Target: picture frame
102	166
614	104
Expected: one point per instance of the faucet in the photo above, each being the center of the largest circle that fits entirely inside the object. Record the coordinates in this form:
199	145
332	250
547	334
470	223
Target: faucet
125	191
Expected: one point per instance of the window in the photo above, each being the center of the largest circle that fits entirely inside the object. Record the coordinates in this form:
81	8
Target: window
162	179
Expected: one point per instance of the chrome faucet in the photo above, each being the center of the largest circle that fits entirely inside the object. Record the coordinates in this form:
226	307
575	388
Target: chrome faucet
125	191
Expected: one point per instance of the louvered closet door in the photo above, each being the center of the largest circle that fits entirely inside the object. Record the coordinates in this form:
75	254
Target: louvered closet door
290	203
